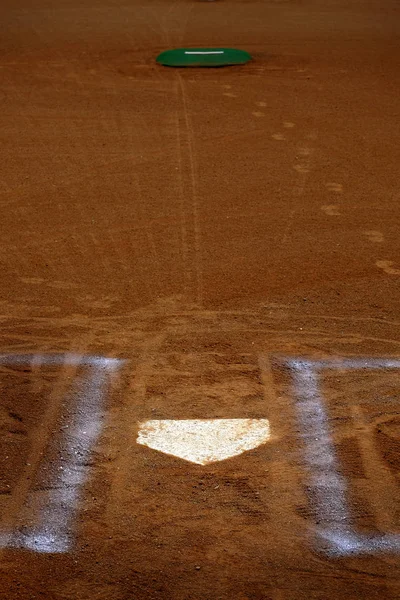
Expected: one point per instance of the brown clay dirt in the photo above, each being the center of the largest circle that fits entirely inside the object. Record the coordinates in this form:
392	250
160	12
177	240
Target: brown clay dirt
207	227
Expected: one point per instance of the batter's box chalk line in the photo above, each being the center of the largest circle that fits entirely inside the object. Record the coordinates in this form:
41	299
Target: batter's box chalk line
329	487
55	510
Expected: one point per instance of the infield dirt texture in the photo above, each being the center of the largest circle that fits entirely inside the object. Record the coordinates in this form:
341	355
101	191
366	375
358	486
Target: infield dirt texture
184	244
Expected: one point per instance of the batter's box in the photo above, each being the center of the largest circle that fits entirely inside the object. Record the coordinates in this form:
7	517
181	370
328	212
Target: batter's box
50	418
351	444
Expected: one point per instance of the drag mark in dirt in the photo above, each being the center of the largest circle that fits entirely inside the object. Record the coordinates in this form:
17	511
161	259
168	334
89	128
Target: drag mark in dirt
127	427
48	490
284	477
381	503
190	190
328	486
183	211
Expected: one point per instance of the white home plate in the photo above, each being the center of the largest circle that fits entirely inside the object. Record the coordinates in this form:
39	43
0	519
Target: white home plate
204	441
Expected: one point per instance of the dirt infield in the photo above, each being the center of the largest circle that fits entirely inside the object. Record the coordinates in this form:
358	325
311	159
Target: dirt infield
199	244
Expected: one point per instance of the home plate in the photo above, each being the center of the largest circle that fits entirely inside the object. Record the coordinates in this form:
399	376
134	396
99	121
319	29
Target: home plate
204	441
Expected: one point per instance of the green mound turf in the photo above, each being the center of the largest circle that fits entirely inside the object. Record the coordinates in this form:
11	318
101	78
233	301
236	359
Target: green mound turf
203	57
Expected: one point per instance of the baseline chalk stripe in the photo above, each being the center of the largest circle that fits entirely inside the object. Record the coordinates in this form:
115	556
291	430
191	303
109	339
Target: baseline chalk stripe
204	441
203	57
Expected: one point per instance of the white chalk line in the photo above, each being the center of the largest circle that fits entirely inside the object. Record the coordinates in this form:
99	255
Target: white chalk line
53	532
327	484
